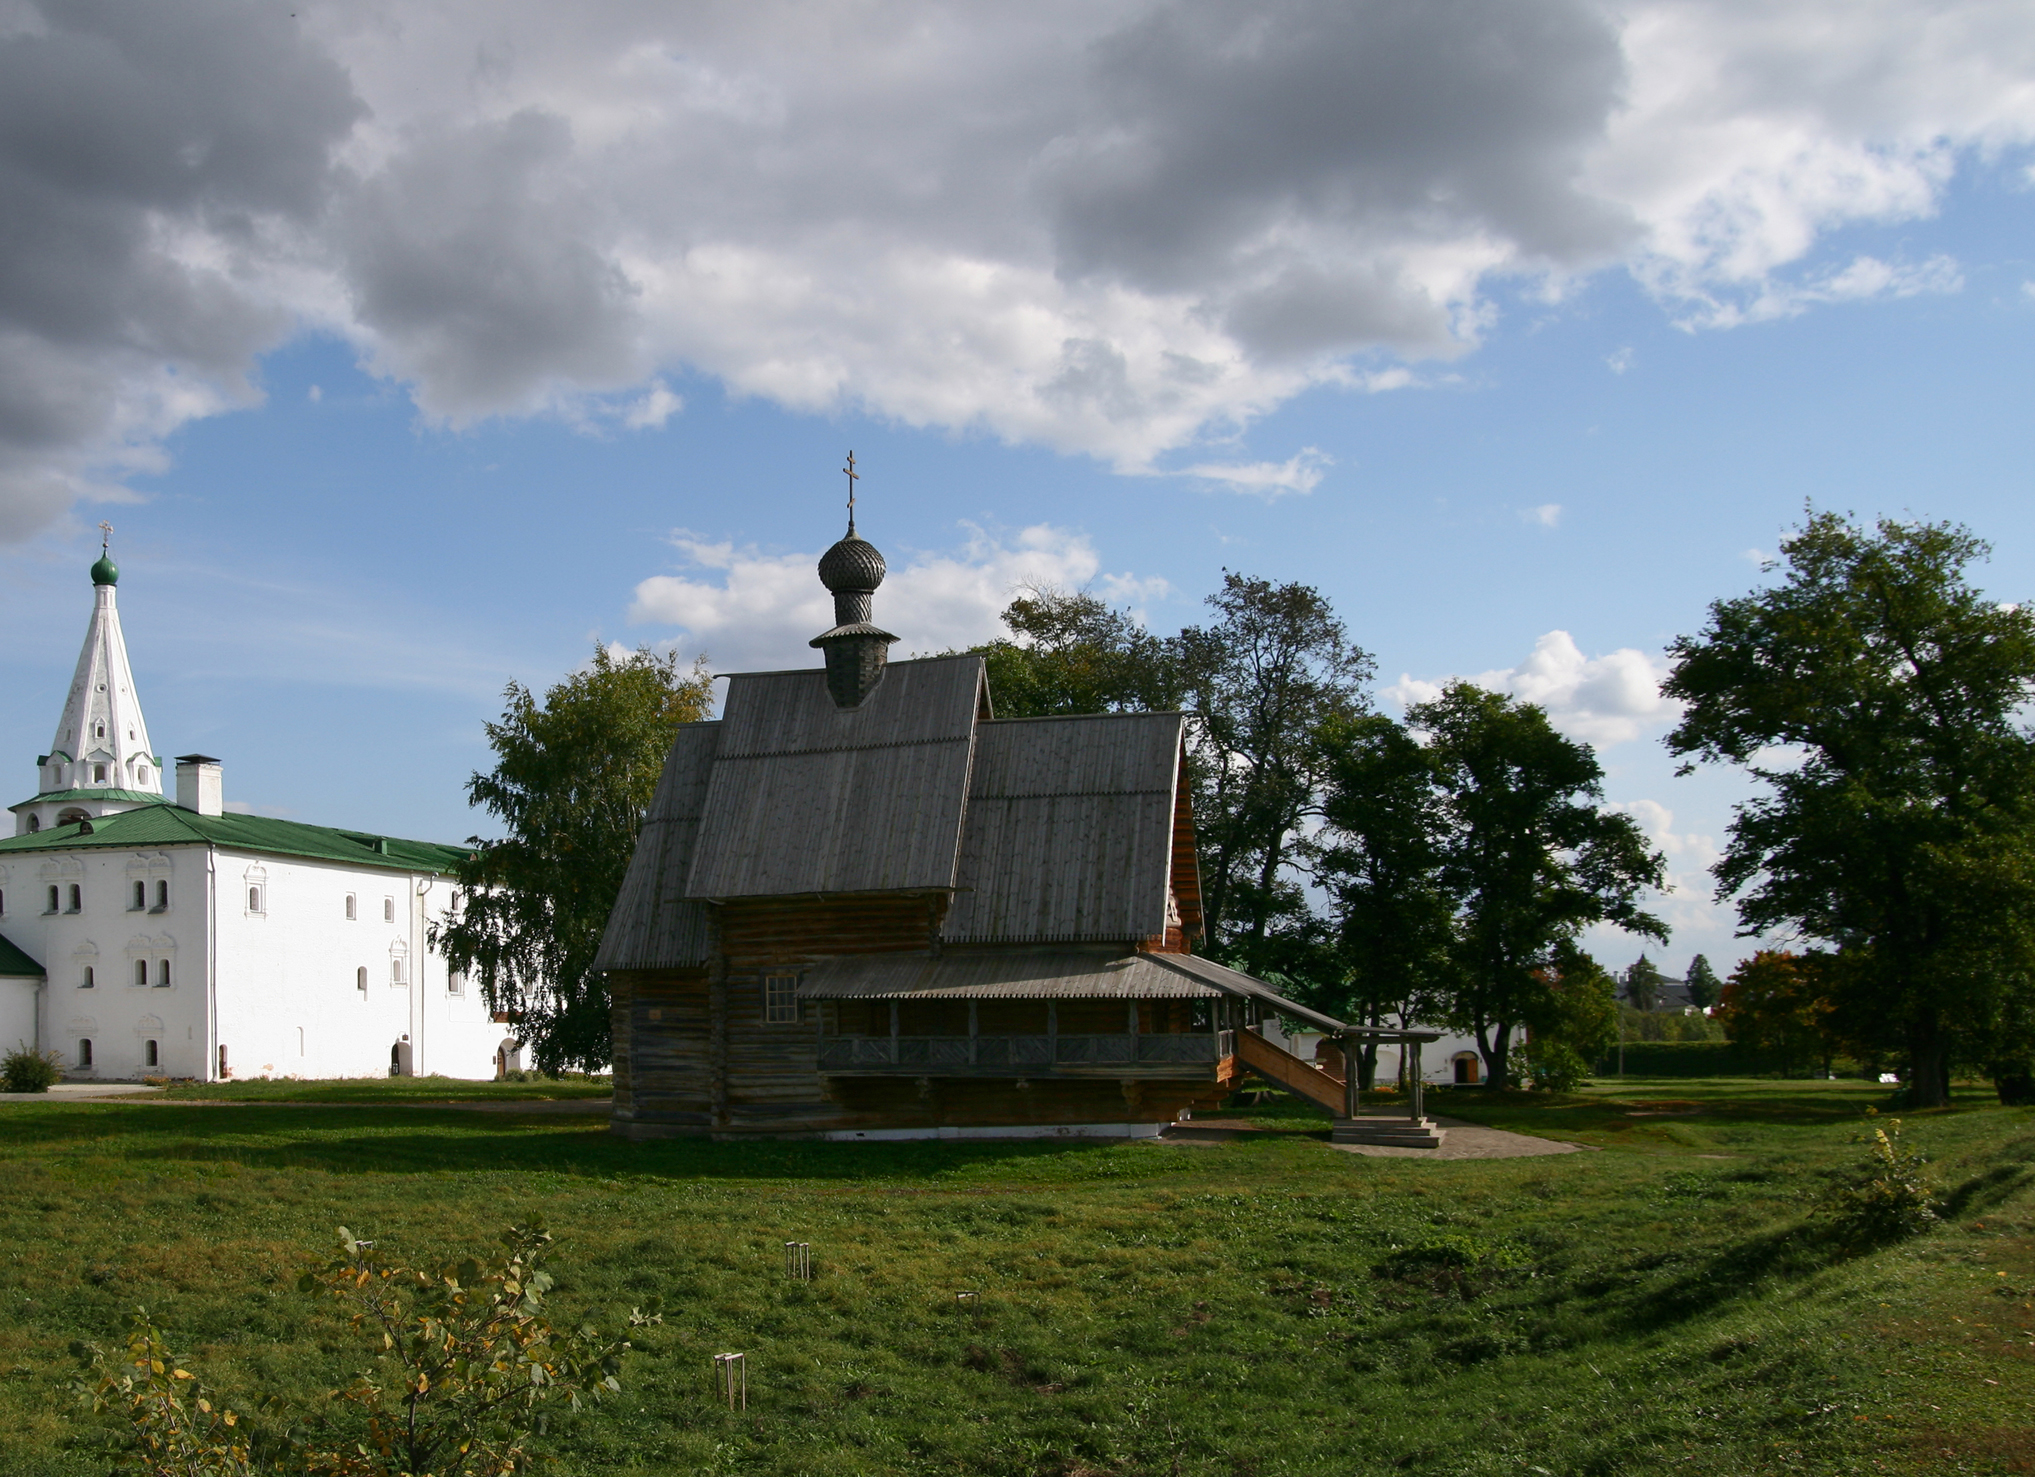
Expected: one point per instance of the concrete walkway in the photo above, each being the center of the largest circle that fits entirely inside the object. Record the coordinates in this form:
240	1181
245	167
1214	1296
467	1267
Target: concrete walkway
1463	1141
83	1092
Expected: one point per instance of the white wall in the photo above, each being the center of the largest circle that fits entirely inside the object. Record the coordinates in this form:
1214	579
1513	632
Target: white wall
289	1002
276	987
108	935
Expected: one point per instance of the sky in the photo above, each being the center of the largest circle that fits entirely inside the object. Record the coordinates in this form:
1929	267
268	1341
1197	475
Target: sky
416	348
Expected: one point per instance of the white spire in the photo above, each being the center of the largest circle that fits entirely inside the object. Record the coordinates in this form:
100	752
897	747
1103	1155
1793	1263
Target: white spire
101	742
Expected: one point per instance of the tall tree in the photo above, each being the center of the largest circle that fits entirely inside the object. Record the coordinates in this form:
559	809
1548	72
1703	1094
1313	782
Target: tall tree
1262	680
1704	986
1530	858
1379	865
1899	823
572	780
1776	1003
1642	984
1068	652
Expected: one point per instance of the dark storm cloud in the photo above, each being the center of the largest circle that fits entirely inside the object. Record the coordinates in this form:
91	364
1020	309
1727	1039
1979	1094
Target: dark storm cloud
472	260
127	132
1264	155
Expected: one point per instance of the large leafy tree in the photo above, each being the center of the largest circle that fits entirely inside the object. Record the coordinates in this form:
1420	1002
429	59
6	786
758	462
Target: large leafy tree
573	777
1069	652
1263	679
1530	858
1777	1004
1641	986
1379	865
1704	986
1878	695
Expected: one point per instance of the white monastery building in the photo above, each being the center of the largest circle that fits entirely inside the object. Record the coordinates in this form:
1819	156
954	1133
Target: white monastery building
142	936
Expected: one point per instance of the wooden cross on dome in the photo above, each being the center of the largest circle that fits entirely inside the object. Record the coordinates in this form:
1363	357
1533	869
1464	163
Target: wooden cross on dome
853	477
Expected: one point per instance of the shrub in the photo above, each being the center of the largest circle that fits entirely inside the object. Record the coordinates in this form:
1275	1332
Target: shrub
25	1069
1891	1198
474	1355
178	1429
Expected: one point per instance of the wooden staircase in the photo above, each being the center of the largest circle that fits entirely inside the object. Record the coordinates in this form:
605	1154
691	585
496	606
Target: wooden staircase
1326	1090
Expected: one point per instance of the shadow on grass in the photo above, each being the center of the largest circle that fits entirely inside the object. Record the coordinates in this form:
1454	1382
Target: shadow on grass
419	1140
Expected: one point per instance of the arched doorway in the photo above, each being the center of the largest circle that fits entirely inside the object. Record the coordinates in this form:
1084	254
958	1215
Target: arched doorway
1469	1071
399	1059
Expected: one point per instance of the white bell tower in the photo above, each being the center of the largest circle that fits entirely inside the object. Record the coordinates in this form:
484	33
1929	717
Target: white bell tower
99	762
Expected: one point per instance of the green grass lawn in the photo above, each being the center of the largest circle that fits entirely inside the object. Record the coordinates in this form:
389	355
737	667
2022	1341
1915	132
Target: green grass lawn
1663	1304
389	1090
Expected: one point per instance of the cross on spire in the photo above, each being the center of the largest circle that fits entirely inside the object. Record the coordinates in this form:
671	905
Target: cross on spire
853	477
105	536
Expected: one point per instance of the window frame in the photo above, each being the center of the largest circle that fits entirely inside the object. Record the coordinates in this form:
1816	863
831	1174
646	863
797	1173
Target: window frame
781	1005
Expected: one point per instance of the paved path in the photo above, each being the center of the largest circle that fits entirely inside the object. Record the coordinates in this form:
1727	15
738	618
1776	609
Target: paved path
83	1092
1463	1141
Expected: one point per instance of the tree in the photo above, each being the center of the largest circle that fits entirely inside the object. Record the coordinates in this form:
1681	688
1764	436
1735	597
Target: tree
1262	681
571	783
1578	1024
1703	984
1379	865
1071	653
1642	984
1529	858
1775	1004
1897	823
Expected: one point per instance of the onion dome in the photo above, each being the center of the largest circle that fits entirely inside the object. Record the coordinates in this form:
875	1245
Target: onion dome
853	564
106	572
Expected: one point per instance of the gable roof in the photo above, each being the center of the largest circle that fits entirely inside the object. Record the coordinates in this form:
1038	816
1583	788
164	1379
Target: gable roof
14	964
172	825
1070	829
653	924
807	797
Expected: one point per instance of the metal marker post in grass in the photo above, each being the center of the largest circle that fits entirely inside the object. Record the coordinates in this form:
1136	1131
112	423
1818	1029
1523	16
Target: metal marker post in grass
798	1260
731	1380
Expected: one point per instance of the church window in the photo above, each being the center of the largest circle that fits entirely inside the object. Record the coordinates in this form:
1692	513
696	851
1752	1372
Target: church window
396	970
88	981
151	1054
360	979
780	999
162	893
101	731
77	898
455	983
388	910
141	972
162	974
3	903
140	896
84	1051
352	906
141	775
99	774
254	899
53	904
34	824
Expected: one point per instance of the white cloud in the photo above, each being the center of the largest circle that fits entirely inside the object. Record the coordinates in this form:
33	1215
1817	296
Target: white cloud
1122	228
747	609
1601	700
1620	361
1686	904
1547	515
1301	472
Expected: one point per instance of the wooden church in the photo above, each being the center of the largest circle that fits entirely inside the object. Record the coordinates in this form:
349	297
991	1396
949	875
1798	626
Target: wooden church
863	906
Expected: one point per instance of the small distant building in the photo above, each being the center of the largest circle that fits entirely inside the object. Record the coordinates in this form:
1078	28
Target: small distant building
863	906
145	936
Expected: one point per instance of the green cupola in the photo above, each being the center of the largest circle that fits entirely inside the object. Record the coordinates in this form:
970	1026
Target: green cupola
105	572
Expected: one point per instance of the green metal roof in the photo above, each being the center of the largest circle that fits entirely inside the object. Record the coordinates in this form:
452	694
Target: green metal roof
16	965
172	825
136	797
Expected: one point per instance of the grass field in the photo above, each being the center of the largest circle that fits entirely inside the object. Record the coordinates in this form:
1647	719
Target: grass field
1665	1304
389	1090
